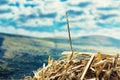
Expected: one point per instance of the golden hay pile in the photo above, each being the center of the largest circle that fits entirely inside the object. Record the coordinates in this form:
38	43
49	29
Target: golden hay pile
82	66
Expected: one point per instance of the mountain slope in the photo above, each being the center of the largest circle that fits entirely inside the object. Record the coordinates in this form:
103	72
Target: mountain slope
20	55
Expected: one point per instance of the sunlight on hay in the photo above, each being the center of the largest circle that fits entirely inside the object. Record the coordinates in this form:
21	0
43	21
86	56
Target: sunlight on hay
82	66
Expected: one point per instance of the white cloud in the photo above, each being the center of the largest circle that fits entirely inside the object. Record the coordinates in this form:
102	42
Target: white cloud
55	6
87	24
37	22
75	2
8	29
114	32
102	3
4	7
21	31
6	16
106	3
20	1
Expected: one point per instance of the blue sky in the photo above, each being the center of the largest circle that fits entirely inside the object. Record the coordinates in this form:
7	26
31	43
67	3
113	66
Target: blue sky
46	18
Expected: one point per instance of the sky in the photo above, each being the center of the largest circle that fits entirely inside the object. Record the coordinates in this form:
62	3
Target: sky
46	18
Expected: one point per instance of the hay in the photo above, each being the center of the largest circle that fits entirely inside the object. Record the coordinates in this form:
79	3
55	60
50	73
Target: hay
82	66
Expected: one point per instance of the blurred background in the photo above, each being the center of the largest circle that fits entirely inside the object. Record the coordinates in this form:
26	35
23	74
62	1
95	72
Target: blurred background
33	30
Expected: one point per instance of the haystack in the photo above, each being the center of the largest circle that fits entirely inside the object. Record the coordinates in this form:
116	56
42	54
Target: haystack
82	66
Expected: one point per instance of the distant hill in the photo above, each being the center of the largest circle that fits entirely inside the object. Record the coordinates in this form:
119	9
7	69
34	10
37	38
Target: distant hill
20	55
93	43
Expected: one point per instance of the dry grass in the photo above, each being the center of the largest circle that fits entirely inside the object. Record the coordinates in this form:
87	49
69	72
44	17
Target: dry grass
82	66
